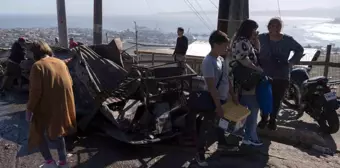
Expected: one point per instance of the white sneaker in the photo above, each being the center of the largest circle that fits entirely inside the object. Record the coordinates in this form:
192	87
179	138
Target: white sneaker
48	165
250	142
246	142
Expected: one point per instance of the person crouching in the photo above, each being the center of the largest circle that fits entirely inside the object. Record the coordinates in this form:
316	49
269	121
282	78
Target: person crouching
13	70
51	107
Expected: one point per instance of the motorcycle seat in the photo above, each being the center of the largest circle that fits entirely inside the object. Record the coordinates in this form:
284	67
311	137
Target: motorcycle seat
317	79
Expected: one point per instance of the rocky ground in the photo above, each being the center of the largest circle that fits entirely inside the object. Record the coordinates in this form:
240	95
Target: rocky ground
98	152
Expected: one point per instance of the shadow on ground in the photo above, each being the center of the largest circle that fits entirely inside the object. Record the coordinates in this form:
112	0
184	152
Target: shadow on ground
110	152
168	154
289	118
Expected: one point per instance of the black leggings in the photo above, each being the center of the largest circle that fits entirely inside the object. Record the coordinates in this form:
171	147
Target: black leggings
279	87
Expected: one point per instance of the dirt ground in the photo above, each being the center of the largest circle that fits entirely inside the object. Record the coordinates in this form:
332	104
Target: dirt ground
100	152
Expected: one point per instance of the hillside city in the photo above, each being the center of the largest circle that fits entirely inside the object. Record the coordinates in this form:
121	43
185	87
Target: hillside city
85	35
146	36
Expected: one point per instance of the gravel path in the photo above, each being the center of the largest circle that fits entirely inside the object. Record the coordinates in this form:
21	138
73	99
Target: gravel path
99	152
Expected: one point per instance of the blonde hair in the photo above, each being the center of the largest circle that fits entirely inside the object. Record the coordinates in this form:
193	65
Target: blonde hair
40	49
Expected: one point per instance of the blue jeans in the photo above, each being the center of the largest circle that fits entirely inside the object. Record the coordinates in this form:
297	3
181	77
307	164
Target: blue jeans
250	102
61	148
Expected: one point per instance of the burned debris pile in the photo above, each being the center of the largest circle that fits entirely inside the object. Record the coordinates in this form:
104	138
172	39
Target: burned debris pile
132	103
143	105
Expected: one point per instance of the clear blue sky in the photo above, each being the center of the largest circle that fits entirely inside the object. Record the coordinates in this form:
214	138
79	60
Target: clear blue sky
130	7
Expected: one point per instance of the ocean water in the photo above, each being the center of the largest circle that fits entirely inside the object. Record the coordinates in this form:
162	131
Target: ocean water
313	31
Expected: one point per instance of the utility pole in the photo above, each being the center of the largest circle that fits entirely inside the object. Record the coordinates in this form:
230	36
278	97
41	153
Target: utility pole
62	24
136	32
246	9
97	21
231	14
223	15
235	16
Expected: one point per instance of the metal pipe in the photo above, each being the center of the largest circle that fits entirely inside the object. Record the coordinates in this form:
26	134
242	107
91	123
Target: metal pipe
97	21
62	23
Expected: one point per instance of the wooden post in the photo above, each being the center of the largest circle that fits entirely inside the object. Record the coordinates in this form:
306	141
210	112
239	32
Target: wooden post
62	24
97	21
235	16
328	56
246	9
223	15
153	59
136	32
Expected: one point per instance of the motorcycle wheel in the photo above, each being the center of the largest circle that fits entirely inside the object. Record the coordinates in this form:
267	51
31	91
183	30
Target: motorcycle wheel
329	122
292	97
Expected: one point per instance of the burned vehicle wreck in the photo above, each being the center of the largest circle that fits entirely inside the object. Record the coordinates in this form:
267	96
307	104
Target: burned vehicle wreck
143	105
133	103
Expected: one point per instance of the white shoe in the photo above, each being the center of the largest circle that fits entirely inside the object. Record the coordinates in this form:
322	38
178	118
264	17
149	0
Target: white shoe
246	142
48	165
250	142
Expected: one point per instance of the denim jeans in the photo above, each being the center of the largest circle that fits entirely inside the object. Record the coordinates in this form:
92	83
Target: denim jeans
61	148
250	102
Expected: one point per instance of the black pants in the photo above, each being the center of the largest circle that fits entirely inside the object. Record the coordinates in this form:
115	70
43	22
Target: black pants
279	87
203	130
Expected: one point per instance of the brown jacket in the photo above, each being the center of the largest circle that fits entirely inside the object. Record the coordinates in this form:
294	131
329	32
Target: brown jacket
51	100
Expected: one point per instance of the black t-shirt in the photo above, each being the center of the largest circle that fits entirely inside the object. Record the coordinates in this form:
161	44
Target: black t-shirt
17	53
181	45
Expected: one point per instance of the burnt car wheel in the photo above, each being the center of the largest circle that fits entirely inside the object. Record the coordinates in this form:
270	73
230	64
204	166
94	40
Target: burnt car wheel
292	97
329	122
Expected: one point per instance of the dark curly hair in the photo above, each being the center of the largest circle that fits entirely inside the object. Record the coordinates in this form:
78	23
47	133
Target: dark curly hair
246	29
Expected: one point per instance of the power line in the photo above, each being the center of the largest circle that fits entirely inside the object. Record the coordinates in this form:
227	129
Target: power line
197	13
213	4
147	3
278	6
208	19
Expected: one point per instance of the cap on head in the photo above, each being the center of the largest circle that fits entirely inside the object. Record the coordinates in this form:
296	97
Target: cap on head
22	40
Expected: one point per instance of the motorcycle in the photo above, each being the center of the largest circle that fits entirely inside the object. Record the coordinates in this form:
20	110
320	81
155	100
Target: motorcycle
313	96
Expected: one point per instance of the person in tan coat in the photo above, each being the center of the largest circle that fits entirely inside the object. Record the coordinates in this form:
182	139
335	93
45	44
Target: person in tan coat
51	107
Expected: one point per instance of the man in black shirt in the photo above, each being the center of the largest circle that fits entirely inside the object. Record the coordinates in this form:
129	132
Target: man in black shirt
13	70
181	48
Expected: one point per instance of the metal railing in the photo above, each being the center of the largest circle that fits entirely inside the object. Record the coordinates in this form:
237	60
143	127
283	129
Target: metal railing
328	64
159	57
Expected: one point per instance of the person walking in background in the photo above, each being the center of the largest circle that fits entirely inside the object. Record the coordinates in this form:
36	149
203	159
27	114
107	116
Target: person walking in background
243	50
181	48
56	40
274	59
13	70
72	43
50	108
